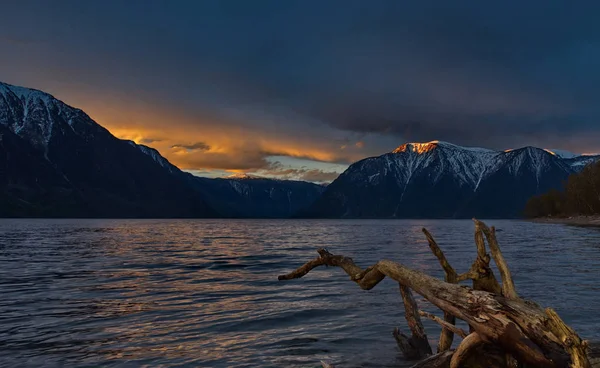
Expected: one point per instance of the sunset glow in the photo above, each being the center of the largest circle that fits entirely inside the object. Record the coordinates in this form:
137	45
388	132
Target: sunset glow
222	106
239	153
417	147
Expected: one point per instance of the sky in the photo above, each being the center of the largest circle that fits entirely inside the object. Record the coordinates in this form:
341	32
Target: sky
300	89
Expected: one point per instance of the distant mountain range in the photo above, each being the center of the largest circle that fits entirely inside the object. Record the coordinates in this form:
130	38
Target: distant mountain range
55	161
443	180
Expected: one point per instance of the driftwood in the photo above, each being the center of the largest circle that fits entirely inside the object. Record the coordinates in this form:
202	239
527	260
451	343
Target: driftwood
505	330
447	335
445	324
417	346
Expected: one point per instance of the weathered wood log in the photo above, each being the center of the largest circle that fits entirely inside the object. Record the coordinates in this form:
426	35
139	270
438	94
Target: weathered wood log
417	346
480	272
466	349
503	326
482	262
577	348
483	279
518	327
447	334
508	286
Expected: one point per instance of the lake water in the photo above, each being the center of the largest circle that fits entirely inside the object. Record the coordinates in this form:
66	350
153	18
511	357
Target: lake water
204	293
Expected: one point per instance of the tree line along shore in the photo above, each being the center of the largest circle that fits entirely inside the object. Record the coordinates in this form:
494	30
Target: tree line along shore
577	203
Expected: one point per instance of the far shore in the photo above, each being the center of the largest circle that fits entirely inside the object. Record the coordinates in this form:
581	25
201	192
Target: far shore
570	220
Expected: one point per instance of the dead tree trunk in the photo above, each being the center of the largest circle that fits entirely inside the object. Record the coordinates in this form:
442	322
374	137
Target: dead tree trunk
501	322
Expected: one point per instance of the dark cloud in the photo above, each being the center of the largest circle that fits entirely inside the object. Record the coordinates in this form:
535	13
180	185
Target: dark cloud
147	140
496	74
492	130
199	160
193	147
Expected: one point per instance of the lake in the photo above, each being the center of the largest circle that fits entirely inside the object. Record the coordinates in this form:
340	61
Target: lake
204	293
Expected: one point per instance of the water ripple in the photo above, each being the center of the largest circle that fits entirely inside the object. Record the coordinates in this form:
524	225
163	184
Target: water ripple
190	293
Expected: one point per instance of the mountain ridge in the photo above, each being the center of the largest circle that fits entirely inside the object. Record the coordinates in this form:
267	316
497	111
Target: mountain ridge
82	170
85	171
443	180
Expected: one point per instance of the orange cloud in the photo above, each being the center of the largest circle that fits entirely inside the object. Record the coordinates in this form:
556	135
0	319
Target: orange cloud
198	141
194	150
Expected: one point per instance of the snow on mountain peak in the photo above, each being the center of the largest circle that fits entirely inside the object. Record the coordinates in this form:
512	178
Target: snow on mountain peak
25	93
242	176
468	165
417	147
38	116
421	148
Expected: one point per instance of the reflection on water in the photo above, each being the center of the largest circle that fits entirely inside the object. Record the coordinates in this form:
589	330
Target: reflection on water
205	293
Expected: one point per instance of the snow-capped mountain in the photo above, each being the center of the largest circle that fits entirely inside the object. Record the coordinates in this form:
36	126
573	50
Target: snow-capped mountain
38	117
56	161
440	179
86	170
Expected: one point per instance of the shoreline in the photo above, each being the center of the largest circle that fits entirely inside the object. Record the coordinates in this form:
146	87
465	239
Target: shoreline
592	221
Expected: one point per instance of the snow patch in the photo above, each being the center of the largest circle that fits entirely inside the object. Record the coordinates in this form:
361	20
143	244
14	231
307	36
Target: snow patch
467	166
155	156
428	146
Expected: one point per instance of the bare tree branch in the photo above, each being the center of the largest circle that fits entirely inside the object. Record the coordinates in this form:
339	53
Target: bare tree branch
447	335
457	330
508	286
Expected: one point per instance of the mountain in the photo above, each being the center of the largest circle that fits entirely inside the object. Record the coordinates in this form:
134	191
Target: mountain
59	162
442	180
55	161
258	197
579	162
27	178
245	196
